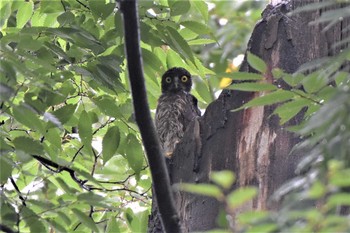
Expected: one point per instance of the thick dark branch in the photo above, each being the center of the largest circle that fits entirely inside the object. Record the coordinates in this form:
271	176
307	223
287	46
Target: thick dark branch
49	164
161	182
6	229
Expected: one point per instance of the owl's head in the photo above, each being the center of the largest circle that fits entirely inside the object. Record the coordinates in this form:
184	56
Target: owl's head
176	79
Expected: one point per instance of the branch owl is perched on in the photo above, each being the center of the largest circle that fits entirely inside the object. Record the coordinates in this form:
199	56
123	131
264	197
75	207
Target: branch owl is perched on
176	108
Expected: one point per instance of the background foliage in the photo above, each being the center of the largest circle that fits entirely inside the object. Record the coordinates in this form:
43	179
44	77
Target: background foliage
318	198
71	157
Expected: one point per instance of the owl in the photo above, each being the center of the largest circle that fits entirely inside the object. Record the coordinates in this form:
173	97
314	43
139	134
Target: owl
176	108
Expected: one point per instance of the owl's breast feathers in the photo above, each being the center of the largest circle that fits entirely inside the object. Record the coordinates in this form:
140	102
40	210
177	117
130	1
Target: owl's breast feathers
174	113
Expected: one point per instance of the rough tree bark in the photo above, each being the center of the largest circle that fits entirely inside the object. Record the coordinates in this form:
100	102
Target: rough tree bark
250	142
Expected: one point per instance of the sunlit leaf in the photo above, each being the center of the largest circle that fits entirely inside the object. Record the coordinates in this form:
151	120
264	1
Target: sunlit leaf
25	115
5	169
339	199
24	13
178	43
65	113
288	110
196	27
202	7
28	145
202	189
134	153
223	178
250	217
179	7
32	220
112	226
201	41
110	143
267	227
85	219
269	99
314	82
85	129
101	9
240	196
256	62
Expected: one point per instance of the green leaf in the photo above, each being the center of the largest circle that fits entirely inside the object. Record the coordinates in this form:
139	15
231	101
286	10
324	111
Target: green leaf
293	80
265	227
341	178
209	190
317	190
56	225
28	145
203	91
173	59
252	87
4	147
196	27
27	117
314	82
5	169
288	110
105	75
269	99
107	105
24	13
339	199
256	62
223	178
85	129
65	18
100	9
202	7
53	136
150	59
178	43
32	220
244	76
179	7
251	217
134	153
201	41
27	42
110	143
65	113
90	198
86	220
241	196
112	226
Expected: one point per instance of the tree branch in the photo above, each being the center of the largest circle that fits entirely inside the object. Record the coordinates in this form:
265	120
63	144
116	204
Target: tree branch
161	181
6	229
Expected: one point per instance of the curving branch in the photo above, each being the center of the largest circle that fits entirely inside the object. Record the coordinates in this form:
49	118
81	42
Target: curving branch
161	181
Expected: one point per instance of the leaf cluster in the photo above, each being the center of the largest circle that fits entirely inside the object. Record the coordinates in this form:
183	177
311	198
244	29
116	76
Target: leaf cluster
71	156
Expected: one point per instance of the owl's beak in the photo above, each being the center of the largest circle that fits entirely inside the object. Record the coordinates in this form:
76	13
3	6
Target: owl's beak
176	82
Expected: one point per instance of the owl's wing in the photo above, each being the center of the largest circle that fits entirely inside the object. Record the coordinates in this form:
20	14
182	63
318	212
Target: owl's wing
191	111
195	105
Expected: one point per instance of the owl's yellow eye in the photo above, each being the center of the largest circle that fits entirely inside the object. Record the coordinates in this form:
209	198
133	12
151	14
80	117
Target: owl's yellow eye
184	79
168	79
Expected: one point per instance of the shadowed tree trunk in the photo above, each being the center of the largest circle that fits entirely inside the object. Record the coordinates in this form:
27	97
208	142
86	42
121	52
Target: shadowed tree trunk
250	142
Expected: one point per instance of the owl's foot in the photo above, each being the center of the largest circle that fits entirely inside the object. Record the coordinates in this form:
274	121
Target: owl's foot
168	154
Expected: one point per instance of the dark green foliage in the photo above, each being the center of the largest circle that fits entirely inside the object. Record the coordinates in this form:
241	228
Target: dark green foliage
64	98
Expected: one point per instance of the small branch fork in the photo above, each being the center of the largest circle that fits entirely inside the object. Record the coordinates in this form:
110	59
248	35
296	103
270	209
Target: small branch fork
161	182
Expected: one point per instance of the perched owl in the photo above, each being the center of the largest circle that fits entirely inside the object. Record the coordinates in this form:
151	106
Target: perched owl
176	108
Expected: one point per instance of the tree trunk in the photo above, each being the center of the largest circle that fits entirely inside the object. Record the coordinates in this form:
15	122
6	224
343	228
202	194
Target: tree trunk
250	142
